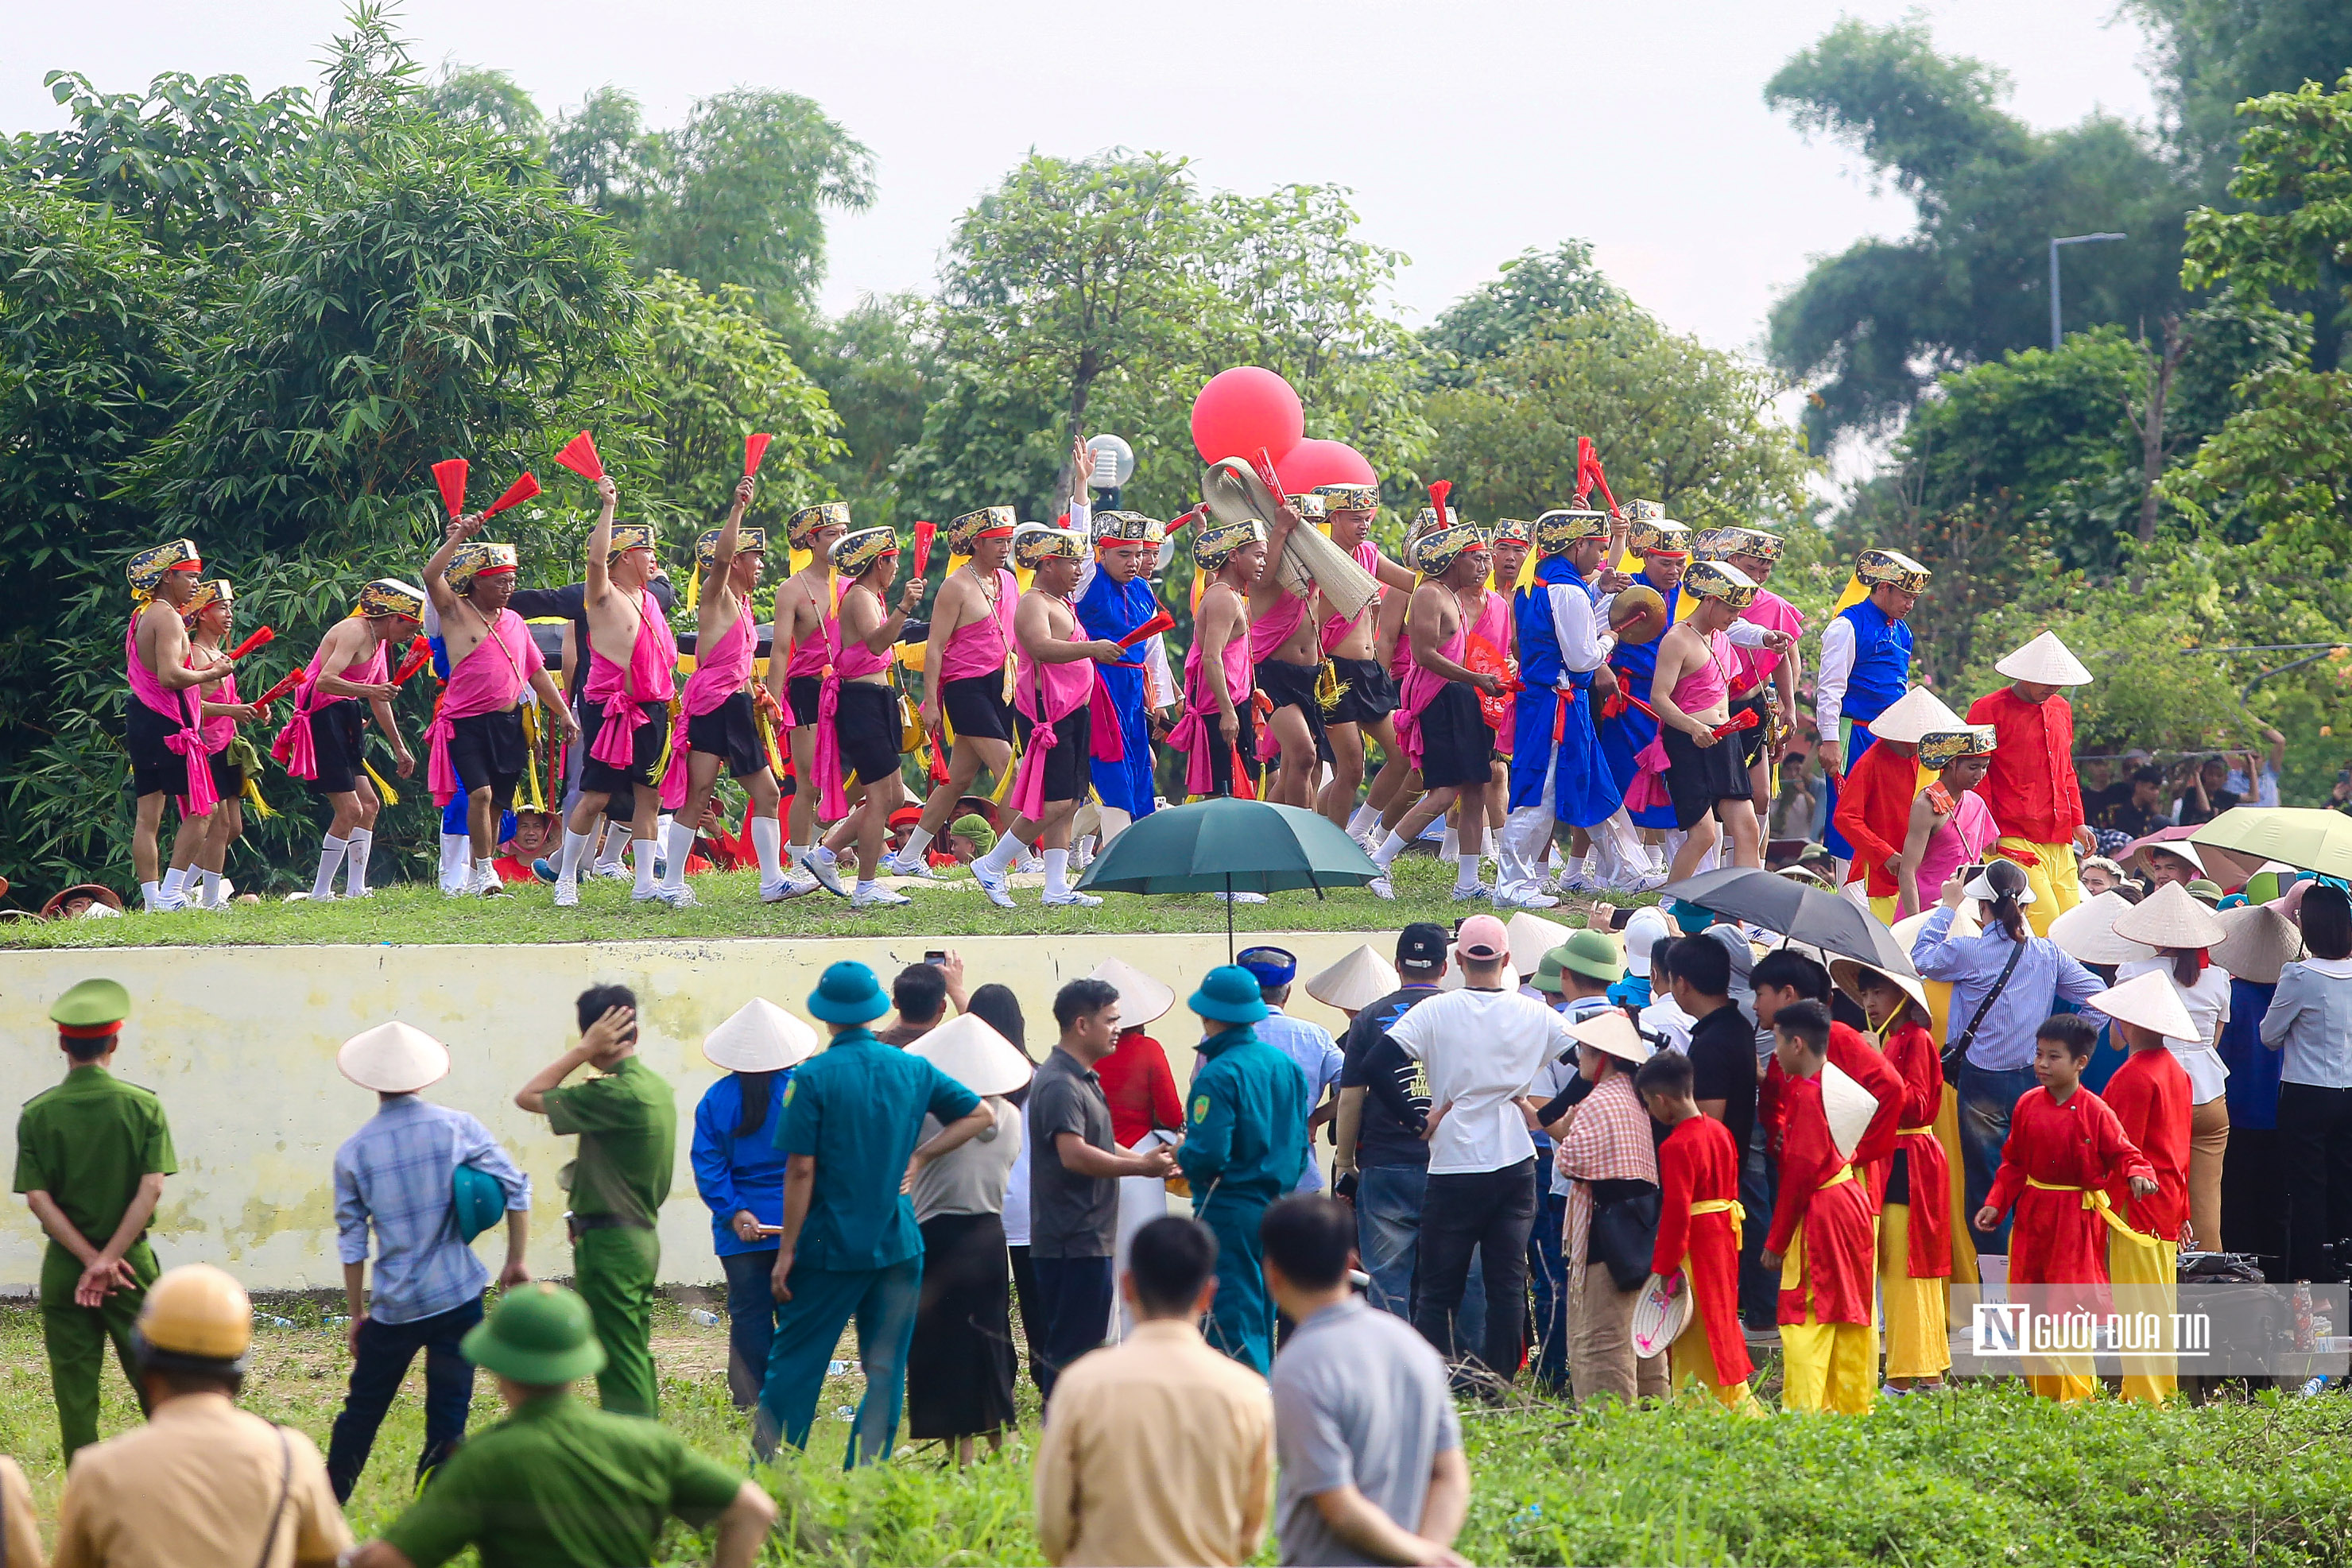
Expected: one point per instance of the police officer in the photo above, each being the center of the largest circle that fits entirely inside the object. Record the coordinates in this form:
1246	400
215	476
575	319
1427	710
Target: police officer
202	1481
1244	1145
557	1482
92	1157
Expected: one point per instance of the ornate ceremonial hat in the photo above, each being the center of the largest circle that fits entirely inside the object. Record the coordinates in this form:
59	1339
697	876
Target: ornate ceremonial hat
1720	581
1355	982
1514	530
1940	748
853	553
1035	543
988	522
1560	528
1914	716
1349	497
1424	521
148	567
760	1037
1891	569
1272	966
804	523
1309	508
1437	551
1215	546
394	1059
2046	662
748	541
214	590
1129	528
477	557
968	1050
1723	543
390	596
627	536
1657	534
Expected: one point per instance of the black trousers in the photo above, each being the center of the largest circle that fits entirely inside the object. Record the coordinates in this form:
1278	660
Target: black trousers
1459	1212
2314	1134
2253	1218
385	1351
1025	1291
1074	1316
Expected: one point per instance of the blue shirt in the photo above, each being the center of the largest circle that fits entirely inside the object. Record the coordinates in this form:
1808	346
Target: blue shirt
1320	1057
395	1173
858	1107
735	1174
2004	1041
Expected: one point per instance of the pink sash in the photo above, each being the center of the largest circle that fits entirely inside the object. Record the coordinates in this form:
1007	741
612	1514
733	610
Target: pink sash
1773	613
1048	693
1336	627
810	659
980	647
1702	689
1196	733
1420	689
489	680
219	729
850	661
1274	628
652	677
295	746
186	708
719	673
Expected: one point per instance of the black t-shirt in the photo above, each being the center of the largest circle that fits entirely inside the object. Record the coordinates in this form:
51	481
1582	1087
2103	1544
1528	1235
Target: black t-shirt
570	602
1723	1067
1396	1099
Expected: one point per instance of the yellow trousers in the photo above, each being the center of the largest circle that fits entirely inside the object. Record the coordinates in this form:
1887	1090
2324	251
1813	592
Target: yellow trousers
1918	1337
1884	908
1828	1366
1947	1132
2055	887
2146	1280
1691	1359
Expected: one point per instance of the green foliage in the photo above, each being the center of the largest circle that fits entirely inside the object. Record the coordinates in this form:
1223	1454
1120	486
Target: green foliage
878	364
2213	55
477	95
1532	292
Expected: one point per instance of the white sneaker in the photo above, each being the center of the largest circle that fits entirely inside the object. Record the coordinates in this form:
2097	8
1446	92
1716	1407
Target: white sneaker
1089	900
490	885
1379	887
993	883
1239	897
1481	893
818	865
617	872
1530	900
919	867
794	883
870	895
676	897
1032	865
567	894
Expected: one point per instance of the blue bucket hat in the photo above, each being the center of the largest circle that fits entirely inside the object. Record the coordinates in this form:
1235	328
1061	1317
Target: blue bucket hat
848	993
1229	994
1270	966
1690	917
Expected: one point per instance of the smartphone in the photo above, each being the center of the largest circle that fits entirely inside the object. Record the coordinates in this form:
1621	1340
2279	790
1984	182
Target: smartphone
936	955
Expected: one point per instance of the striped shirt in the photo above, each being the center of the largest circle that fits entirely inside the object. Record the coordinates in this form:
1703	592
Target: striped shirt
395	1174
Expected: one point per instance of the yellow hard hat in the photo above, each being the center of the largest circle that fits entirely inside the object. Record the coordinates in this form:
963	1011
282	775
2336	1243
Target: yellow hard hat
197	1315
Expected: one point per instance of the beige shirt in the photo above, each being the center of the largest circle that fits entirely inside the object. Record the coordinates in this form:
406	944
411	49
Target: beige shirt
196	1485
20	1533
1158	1450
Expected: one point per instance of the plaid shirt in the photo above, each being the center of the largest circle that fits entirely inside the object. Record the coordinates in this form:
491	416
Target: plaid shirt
1608	1139
395	1173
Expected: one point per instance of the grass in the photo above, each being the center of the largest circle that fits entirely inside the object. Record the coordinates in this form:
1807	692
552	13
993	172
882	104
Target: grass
413	913
1982	1474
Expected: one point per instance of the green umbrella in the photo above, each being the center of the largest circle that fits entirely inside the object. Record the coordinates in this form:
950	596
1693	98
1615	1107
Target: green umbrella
1223	845
2300	836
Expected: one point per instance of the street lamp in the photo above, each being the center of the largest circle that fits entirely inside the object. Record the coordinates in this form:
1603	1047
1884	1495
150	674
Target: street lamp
2057	330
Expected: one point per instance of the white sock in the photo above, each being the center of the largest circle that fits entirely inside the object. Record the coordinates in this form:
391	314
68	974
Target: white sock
1086	847
1450	845
1363	820
796	854
175	882
642	858
1576	867
616	840
867	884
680	840
1057	873
331	859
768	843
1465	872
826	853
916	843
212	889
355	862
1391	847
152	894
575	849
1003	855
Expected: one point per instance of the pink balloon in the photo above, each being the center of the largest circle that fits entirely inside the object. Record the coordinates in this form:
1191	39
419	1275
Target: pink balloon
1313	463
1243	409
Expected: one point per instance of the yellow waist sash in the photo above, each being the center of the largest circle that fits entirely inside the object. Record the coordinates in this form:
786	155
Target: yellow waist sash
1914	1131
2095	1199
1845	1173
1730	1205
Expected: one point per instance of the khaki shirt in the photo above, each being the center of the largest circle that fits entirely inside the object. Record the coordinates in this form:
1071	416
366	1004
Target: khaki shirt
20	1533
197	1485
1158	1450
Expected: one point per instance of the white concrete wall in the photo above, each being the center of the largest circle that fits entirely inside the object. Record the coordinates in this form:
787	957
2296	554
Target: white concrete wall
240	1042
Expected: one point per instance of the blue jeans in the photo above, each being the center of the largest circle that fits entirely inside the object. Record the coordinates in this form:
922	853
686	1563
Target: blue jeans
1548	1279
751	1310
385	1351
1388	1242
808	1326
1986	1098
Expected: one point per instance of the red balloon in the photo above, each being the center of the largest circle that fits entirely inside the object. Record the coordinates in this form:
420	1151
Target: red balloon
1243	409
1313	463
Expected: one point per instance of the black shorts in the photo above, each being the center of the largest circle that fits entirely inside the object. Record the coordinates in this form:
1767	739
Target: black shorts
228	779
1368	693
155	767
1069	762
866	727
802	692
1752	741
1293	685
1456	746
488	749
1698	776
597	777
975	706
337	732
731	730
1221	757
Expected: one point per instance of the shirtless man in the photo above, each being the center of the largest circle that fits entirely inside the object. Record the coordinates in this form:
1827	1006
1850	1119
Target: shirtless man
1219	730
1051	687
1368	693
321	744
867	732
1705	776
477	734
800	650
1287	653
165	695
964	659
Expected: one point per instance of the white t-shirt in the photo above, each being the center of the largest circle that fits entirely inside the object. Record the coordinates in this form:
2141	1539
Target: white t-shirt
1481	1050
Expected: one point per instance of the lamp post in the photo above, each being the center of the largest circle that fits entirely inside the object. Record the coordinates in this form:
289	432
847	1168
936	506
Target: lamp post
1114	461
2057	329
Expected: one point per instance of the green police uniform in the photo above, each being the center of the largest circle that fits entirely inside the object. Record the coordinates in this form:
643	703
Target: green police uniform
1244	1146
627	1123
88	1142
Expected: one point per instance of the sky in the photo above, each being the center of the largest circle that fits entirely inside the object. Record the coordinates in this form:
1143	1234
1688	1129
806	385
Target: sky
1469	131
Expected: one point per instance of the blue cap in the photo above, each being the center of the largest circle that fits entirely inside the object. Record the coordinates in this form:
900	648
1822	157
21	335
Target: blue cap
1691	917
848	993
1272	966
1229	994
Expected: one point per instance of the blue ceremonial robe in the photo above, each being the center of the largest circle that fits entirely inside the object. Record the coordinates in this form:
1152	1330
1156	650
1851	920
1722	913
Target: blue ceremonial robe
1583	790
1882	673
1626	737
1112	609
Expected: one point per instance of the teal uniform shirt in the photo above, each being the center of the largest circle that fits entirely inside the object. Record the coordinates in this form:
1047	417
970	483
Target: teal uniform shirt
858	1107
1244	1145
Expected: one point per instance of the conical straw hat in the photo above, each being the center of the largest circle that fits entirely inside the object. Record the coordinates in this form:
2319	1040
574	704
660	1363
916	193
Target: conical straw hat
1141	999
1613	1033
1964	924
2170	917
761	1038
1356	981
1848	972
394	1059
2149	1000
1531	936
974	1055
2259	943
1849	1107
1914	714
2046	661
2086	933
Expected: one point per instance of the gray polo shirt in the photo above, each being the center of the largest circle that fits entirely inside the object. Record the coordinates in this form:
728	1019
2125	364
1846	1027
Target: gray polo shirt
1070	1216
1360	1400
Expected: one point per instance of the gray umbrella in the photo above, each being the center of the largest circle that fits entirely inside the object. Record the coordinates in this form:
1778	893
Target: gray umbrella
1827	921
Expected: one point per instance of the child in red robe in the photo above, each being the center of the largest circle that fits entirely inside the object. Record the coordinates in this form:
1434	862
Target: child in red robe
2150	1096
1914	1242
1699	1221
2065	1148
1821	1237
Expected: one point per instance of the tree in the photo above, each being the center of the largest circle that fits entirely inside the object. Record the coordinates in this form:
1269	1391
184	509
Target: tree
476	95
878	363
1530	291
2213	55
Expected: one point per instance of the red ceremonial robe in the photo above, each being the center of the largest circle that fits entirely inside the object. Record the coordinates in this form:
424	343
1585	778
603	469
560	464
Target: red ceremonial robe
2149	1094
1698	1162
2057	1239
1874	813
1913	1055
1852	1054
1840	1277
